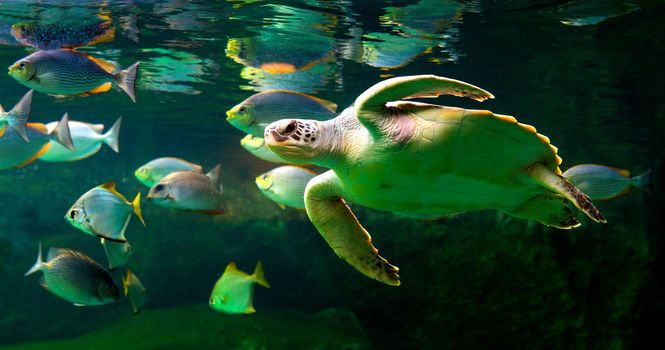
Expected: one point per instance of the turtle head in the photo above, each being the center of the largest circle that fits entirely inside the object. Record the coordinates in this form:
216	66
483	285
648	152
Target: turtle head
295	140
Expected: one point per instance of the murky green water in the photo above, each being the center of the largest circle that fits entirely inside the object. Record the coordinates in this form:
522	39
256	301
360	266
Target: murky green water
478	280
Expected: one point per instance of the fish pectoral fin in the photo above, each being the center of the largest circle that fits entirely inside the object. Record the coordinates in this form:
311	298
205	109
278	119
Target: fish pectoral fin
101	88
250	310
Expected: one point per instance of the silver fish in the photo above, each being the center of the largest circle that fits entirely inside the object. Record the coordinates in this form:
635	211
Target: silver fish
134	290
190	191
601	182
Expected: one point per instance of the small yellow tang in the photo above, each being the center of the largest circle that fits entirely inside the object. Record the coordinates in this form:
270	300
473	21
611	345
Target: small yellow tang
234	291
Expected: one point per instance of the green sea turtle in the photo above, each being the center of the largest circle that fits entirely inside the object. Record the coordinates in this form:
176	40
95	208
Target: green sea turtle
412	157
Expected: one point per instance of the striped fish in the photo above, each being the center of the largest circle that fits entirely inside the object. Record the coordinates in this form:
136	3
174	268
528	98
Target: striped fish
15	152
66	72
601	182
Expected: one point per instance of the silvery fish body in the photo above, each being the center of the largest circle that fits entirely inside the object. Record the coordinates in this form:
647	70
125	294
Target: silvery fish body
104	212
75	277
189	191
257	111
285	185
257	147
87	139
601	182
117	253
152	172
134	290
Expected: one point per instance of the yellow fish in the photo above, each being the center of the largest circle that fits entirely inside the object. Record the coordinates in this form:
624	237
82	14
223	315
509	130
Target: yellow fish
234	291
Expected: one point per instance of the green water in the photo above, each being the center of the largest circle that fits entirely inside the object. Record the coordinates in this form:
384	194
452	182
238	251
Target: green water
478	280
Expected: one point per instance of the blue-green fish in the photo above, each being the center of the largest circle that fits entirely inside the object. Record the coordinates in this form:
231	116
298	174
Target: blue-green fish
234	291
75	277
190	191
17	116
104	212
117	253
257	111
285	185
87	139
59	36
66	72
155	170
134	290
15	152
257	147
601	182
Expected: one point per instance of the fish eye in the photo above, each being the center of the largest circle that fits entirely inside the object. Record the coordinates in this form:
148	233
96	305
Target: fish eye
22	65
159	187
212	301
242	109
143	170
72	213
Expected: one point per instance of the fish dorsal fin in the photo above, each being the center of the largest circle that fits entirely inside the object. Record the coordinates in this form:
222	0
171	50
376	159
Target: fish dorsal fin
213	175
623	172
231	267
98	128
325	103
39	127
136	205
54	252
109	67
110	186
125	281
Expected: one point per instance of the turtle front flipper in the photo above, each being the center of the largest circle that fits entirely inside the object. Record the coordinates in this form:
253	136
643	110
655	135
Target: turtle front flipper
549	209
339	227
556	183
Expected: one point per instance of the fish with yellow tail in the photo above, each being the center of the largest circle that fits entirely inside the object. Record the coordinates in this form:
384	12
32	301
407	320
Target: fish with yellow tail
67	72
190	191
134	290
155	170
104	212
601	182
15	152
234	291
285	185
87	139
17	117
75	277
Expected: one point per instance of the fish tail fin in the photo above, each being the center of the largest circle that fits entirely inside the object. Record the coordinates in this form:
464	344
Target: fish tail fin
38	265
19	115
643	182
111	136
258	275
136	204
61	132
126	78
125	281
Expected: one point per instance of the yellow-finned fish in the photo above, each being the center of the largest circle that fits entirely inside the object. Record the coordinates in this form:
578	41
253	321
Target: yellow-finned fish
234	291
17	117
87	139
190	191
285	185
67	72
257	147
104	212
601	182
75	277
259	110
134	290
153	171
15	152
117	253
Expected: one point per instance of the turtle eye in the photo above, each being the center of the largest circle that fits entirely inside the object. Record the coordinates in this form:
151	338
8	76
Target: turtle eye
291	127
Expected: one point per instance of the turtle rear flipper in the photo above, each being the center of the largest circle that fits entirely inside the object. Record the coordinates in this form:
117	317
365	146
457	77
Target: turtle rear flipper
339	227
548	209
556	183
